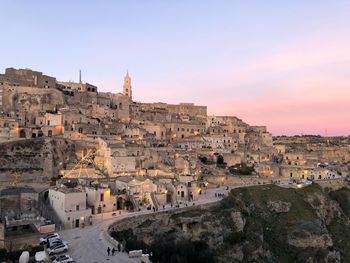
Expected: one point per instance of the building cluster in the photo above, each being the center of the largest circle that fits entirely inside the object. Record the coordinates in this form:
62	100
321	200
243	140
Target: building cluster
133	155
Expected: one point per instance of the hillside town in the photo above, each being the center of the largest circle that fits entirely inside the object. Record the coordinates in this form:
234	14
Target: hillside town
71	154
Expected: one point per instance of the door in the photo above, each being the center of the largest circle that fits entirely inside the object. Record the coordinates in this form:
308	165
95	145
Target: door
76	222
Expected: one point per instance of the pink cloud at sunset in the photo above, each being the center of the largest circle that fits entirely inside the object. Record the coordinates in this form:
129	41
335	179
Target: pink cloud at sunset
303	88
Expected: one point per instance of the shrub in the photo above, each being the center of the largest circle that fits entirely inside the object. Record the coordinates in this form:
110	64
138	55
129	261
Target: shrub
242	169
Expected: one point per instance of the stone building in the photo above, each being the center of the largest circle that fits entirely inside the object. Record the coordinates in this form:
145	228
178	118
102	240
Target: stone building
100	199
127	86
26	78
9	129
15	201
70	206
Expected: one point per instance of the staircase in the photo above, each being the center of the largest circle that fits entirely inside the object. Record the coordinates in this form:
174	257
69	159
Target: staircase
154	201
134	203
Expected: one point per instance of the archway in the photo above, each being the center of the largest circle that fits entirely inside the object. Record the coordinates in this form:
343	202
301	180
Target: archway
22	133
120	203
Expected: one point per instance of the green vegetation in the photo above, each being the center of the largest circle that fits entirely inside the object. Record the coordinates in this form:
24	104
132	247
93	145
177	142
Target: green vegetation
263	223
13	256
145	223
188	213
166	248
242	169
273	227
234	238
206	160
342	196
340	231
123	235
339	226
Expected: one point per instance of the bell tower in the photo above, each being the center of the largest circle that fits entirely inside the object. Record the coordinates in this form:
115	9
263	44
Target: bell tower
127	85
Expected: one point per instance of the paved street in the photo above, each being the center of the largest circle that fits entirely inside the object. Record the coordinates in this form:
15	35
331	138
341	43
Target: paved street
88	245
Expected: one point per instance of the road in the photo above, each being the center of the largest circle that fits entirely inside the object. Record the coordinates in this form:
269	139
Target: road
88	244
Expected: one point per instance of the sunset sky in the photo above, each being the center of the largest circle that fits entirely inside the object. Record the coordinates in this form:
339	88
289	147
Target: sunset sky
283	64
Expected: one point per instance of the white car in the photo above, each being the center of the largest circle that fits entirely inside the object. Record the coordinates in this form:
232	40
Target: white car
55	241
57	249
43	240
63	259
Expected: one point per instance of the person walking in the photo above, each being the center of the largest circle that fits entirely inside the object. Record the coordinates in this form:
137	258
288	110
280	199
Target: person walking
113	251
108	251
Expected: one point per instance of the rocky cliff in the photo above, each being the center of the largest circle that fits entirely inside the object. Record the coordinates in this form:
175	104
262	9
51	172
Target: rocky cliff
256	224
35	159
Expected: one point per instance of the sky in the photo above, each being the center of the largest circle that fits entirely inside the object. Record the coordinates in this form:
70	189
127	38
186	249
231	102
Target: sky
283	64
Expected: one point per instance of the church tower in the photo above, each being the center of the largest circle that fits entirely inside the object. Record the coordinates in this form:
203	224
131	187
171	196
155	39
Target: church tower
127	85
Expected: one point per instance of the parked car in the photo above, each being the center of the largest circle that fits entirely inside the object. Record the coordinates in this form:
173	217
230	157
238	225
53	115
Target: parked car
56	242
43	240
63	259
57	249
52	240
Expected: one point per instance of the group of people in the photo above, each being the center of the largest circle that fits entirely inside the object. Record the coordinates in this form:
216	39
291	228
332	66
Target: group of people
220	195
113	250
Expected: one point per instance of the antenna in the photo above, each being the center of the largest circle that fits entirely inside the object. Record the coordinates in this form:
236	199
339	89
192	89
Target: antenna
80	76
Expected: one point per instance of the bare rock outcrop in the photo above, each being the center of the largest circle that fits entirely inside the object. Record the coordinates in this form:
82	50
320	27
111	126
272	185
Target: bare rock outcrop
279	206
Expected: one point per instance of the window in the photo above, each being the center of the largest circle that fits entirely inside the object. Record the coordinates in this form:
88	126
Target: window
48	123
102	197
77	207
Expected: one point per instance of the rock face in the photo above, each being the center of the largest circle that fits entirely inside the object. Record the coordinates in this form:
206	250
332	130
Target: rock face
35	159
258	224
278	206
238	220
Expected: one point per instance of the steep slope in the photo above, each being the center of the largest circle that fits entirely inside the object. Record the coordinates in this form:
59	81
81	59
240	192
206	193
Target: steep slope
255	224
